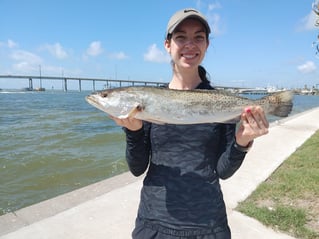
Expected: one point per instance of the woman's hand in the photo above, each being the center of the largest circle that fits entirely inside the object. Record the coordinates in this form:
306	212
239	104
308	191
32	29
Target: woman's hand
253	124
130	123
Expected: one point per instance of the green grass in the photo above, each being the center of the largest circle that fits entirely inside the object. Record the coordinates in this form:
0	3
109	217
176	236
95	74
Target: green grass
289	199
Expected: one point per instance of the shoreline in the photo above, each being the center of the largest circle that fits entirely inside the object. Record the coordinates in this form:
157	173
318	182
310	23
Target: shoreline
109	207
14	220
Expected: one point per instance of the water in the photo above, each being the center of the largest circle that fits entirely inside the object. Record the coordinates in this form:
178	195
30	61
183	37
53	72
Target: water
51	143
54	142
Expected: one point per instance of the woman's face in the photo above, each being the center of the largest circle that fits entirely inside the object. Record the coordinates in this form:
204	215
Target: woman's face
188	44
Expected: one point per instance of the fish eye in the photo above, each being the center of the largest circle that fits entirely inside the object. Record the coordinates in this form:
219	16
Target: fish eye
103	94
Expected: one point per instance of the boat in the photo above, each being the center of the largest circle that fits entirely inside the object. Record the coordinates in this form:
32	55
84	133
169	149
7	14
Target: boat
39	89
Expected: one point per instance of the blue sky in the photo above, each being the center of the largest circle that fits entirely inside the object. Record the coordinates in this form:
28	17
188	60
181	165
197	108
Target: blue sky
253	44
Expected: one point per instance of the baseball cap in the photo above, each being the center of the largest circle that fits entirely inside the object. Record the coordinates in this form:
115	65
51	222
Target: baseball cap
181	15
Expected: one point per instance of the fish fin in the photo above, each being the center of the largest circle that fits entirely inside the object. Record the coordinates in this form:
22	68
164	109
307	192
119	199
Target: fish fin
138	108
281	103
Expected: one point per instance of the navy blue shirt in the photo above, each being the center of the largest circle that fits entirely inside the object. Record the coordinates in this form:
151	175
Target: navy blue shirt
181	190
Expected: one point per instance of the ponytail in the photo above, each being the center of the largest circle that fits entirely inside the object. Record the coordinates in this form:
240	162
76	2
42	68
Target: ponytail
203	74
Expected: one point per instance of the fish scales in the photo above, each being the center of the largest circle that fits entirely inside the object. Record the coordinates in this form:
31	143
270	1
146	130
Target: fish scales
162	105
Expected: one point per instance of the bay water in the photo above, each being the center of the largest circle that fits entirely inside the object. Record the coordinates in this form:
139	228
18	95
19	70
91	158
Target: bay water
53	142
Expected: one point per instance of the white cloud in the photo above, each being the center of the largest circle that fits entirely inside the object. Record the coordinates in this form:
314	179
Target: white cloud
154	54
213	18
119	55
25	61
56	50
308	22
22	67
95	48
307	67
214	6
214	22
12	44
21	55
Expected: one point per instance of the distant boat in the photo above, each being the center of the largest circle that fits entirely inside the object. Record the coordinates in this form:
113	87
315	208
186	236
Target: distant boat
272	89
39	89
35	89
27	89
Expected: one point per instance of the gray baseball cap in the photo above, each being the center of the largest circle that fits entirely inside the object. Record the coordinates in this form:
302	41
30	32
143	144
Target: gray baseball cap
181	15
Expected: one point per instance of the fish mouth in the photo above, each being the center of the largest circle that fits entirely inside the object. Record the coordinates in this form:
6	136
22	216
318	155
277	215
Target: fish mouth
91	99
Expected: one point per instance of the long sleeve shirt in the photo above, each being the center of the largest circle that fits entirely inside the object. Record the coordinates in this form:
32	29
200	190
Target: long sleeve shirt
181	190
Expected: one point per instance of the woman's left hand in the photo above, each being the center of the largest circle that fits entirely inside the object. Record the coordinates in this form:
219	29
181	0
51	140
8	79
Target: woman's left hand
253	124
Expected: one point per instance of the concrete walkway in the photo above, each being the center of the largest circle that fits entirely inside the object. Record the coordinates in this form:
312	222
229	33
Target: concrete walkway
107	209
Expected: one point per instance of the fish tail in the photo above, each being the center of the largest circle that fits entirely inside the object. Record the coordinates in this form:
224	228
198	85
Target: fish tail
280	103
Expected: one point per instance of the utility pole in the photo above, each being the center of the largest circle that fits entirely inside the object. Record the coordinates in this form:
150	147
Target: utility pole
40	77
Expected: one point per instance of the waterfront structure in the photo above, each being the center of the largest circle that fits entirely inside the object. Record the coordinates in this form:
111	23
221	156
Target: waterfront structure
65	80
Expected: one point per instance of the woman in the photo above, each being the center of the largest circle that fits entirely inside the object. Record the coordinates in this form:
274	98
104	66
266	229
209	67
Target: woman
181	195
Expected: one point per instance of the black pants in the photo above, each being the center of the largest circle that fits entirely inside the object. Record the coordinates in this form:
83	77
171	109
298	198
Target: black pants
143	232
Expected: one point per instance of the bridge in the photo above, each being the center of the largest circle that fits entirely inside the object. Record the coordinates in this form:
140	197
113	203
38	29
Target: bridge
65	81
107	83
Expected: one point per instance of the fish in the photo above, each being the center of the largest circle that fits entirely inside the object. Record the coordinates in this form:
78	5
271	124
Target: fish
169	106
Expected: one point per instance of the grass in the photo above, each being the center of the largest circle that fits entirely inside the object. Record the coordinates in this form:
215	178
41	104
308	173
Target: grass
288	200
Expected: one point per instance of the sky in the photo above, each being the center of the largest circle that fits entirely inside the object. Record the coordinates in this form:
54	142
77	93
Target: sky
252	44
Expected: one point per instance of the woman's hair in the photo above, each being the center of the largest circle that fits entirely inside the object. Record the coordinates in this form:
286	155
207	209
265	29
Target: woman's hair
204	76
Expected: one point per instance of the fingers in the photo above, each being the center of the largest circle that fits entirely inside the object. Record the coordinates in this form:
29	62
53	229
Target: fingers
255	118
118	121
129	123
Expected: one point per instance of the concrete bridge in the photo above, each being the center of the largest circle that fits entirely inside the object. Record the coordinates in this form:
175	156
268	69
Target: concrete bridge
108	83
65	80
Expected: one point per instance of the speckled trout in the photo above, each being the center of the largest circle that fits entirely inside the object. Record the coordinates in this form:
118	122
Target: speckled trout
167	106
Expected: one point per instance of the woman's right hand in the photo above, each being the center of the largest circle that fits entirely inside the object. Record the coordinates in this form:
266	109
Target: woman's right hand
130	123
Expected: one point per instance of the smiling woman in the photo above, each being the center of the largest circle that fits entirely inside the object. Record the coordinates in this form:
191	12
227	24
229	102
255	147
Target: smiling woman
187	47
181	194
